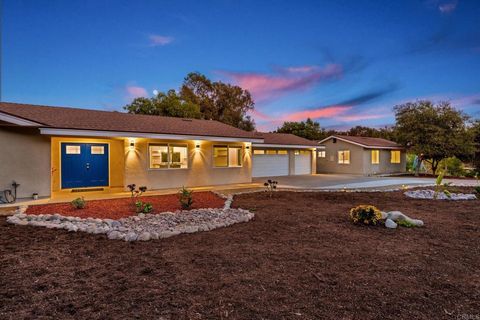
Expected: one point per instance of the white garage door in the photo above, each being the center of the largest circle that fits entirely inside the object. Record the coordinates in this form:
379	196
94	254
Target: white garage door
303	163
270	165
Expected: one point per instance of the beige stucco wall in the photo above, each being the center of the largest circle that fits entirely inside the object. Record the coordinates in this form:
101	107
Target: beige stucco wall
116	159
385	166
330	164
25	158
200	171
360	160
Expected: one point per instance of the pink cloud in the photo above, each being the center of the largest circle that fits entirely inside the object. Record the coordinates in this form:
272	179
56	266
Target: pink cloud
301	69
448	7
266	86
158	40
326	112
133	92
360	117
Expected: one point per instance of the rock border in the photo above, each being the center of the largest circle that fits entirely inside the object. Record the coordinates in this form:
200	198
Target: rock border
142	227
427	194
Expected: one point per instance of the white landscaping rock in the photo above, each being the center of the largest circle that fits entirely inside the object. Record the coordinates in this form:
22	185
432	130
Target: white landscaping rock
142	227
389	223
396	216
430	194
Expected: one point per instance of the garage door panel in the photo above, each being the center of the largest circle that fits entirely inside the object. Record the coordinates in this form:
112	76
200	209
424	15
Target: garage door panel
303	164
267	165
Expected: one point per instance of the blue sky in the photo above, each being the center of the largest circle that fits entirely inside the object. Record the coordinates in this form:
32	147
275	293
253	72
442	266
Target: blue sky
343	63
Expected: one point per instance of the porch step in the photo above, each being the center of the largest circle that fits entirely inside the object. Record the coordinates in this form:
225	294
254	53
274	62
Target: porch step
88	189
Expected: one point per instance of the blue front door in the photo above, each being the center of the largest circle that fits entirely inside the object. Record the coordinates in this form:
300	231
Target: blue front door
84	165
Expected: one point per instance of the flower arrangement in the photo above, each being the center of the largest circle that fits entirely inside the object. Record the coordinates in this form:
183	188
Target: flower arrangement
365	214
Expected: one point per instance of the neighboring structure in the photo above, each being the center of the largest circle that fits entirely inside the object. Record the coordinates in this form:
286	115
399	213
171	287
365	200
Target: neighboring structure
50	149
360	155
283	154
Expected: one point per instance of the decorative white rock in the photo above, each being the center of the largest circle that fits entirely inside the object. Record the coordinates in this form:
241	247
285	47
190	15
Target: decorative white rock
430	194
142	227
389	223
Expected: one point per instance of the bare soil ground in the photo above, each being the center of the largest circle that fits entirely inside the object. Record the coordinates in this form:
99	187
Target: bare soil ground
299	258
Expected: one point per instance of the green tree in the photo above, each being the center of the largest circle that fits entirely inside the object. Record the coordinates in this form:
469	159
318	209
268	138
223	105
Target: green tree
219	101
201	98
361	131
434	131
308	129
165	104
475	132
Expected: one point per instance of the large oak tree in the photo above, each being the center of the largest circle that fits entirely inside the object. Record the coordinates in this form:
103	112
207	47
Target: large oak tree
434	131
199	97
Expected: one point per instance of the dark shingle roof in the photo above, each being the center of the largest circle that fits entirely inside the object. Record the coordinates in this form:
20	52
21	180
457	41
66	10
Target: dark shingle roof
85	119
285	139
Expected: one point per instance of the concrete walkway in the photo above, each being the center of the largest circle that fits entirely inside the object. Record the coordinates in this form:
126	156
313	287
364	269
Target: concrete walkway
346	181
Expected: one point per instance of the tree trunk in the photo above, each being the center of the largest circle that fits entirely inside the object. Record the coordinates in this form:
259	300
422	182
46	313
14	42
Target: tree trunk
434	166
417	167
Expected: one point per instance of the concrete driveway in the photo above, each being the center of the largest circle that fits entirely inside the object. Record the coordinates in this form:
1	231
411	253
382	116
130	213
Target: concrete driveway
340	181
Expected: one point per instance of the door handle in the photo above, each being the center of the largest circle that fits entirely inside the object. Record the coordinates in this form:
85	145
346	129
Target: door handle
88	166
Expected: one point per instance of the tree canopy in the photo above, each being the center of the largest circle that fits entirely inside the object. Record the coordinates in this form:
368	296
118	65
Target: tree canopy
434	131
308	129
361	131
200	98
475	131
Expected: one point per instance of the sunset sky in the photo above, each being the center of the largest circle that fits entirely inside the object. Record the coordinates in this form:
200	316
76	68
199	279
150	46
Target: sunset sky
343	63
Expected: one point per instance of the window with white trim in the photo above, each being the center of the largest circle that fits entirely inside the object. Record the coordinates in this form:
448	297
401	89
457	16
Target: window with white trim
344	157
227	156
168	156
322	154
395	156
375	156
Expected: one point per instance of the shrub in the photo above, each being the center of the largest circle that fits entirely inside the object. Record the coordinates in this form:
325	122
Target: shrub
270	185
477	189
365	214
79	203
135	195
454	166
143	207
405	223
185	198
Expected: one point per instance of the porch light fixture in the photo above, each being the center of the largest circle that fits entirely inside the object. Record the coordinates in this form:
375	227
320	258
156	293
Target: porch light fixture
132	144
247	147
197	146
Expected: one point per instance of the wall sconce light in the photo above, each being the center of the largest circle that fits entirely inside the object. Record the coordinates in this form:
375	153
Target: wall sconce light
247	147
197	146
132	144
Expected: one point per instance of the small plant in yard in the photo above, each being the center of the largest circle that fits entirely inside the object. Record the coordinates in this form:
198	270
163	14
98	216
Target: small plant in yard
365	214
441	187
270	186
79	203
139	206
477	189
143	207
406	224
185	198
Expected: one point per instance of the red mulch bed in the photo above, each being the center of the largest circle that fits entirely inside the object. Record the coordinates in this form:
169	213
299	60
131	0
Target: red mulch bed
123	207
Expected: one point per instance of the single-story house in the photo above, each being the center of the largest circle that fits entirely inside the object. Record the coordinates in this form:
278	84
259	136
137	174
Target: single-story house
283	154
360	155
49	150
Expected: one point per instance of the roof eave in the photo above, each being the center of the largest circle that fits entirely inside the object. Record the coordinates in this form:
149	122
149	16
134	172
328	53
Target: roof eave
113	134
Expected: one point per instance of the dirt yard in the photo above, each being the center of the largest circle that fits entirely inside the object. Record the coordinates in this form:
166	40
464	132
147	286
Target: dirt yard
299	258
